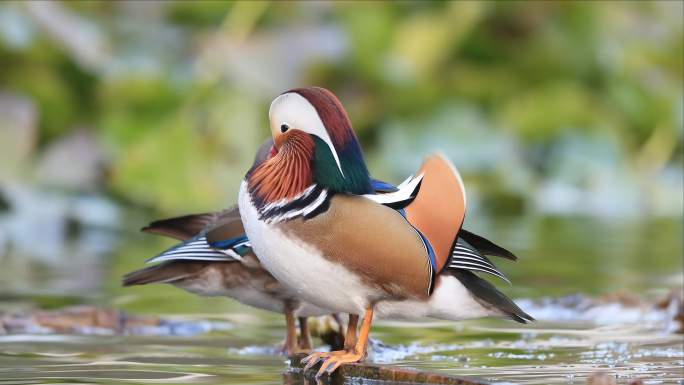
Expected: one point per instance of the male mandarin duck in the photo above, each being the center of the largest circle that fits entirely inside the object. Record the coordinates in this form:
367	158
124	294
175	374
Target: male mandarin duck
315	222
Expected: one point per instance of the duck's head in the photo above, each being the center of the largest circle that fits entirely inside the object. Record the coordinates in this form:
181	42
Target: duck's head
314	143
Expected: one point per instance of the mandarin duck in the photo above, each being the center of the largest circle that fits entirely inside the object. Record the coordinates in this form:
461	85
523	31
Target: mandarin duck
316	224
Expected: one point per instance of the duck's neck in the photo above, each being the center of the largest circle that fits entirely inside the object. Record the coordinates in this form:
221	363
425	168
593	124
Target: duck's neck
354	178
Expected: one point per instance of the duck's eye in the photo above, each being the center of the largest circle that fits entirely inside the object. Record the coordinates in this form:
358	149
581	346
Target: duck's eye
284	127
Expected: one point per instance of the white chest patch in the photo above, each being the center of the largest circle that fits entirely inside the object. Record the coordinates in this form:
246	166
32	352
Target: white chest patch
300	267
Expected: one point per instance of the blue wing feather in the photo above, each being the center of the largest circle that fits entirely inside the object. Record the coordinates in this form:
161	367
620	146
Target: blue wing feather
383	187
228	243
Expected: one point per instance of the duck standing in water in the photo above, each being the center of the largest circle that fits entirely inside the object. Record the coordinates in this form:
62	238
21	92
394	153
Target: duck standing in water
316	224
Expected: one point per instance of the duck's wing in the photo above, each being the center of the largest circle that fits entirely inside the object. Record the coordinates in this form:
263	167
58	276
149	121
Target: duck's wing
438	209
371	240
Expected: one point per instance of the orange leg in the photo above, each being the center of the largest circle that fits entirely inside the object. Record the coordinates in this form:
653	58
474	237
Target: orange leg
350	337
305	344
355	347
290	347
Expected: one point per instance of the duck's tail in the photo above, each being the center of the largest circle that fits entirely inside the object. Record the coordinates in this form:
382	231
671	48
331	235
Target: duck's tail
486	292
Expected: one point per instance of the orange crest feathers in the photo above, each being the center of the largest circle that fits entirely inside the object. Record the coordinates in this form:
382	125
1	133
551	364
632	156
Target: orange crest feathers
286	174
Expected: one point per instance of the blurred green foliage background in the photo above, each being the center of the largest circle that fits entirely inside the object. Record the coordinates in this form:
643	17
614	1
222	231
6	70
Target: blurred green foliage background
557	107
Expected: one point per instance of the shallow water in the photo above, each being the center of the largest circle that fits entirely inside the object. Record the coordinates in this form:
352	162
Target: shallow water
543	354
215	341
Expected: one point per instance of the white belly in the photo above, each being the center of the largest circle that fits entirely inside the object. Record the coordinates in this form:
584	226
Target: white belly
302	268
450	301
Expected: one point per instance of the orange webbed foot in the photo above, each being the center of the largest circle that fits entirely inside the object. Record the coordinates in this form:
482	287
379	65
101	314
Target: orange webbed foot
313	358
331	360
336	359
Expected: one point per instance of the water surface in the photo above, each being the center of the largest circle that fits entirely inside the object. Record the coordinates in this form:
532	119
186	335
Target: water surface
566	266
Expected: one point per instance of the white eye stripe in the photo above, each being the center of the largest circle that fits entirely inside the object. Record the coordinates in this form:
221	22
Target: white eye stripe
298	113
